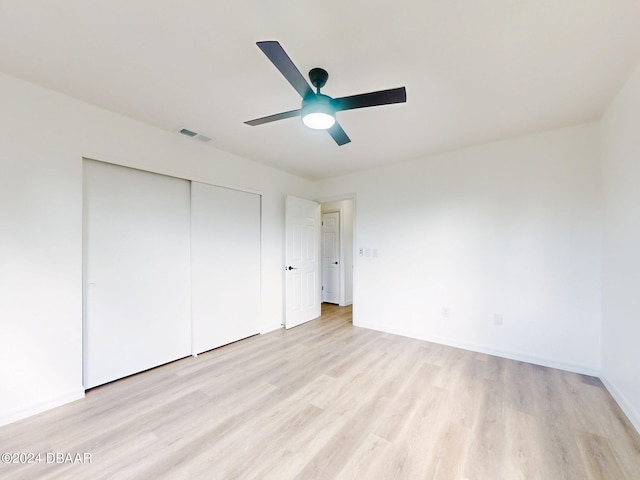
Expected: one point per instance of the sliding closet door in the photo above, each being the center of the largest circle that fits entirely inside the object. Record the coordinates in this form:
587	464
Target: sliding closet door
137	271
225	250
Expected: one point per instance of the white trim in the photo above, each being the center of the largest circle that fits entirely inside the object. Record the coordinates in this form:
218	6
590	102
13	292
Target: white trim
632	414
271	328
168	172
337	198
545	362
39	407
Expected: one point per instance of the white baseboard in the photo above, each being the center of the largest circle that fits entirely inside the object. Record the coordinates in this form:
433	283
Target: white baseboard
628	409
39	407
582	369
271	328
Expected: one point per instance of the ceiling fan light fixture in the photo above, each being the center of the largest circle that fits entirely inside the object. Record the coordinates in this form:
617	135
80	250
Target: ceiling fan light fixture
317	113
319	120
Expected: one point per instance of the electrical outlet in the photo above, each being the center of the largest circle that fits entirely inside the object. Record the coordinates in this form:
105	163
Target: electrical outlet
498	319
446	312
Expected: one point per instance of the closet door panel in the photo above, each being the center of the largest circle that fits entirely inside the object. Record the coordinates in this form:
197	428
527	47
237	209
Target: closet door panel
225	252
137	271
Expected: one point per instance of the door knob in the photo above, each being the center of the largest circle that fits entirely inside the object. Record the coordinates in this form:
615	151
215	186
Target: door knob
335	263
290	268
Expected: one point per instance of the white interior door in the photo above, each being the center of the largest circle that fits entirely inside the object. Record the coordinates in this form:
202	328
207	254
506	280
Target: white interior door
303	261
331	257
137	271
225	253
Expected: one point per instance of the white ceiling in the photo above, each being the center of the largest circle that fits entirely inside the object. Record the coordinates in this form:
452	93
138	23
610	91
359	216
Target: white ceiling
475	70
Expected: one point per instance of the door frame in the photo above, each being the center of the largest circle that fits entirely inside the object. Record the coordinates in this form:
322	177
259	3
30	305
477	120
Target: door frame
339	198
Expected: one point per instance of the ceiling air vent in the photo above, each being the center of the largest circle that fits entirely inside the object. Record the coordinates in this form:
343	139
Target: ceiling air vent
192	134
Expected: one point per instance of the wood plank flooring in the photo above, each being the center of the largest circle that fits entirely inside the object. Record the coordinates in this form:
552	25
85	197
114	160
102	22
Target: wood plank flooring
327	400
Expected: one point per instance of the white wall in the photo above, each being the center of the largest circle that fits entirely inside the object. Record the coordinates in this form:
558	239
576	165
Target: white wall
510	228
43	138
621	263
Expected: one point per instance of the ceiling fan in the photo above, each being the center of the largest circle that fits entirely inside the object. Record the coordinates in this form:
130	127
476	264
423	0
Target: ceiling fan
318	111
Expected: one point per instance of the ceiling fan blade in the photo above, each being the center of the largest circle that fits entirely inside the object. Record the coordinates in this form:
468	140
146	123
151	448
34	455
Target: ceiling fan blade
372	99
274	52
273	118
338	134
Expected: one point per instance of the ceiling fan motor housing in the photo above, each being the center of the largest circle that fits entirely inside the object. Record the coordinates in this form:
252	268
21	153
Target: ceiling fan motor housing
317	100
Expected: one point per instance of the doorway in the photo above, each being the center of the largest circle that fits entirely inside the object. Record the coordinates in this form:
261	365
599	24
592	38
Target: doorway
337	246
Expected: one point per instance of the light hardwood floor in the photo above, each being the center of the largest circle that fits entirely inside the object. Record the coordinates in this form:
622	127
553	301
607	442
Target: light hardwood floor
327	400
